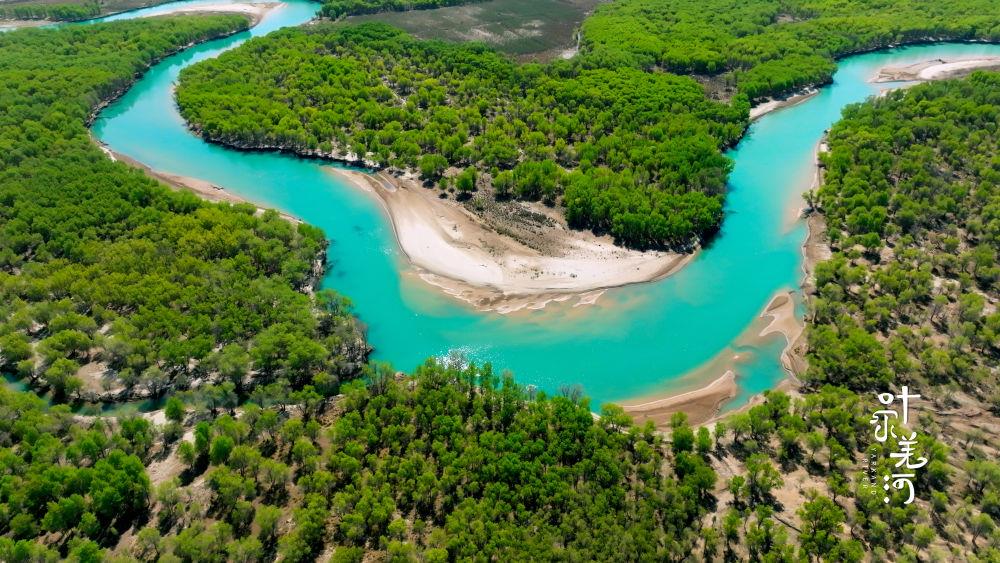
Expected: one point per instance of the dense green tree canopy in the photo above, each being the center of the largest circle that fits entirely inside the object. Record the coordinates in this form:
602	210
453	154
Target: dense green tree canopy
911	196
770	47
83	482
100	265
68	10
628	152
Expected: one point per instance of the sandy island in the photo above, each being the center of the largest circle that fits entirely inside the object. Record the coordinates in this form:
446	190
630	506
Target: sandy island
936	69
456	250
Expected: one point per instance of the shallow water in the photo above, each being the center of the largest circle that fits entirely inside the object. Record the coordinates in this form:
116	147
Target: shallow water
635	341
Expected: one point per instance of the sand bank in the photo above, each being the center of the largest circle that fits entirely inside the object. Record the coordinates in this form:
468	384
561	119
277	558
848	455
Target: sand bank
936	69
773	104
256	12
11	25
201	188
700	405
454	249
703	404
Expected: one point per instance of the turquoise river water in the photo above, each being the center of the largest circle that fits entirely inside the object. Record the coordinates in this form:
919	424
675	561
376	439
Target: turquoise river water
636	341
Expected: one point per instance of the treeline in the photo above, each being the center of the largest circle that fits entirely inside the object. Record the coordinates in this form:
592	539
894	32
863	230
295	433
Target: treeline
771	47
453	464
631	153
111	285
55	12
457	463
337	8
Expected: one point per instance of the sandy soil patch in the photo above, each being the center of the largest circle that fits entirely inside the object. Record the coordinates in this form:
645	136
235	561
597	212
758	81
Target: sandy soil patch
453	249
11	25
936	69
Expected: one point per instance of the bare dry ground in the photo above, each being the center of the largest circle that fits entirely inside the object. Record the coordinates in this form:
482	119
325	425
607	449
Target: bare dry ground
527	29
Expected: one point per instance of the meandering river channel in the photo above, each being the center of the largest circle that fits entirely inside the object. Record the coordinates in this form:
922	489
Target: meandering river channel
637	340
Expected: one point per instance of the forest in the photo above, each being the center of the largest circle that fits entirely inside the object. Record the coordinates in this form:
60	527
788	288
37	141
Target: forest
55	12
275	454
631	153
104	271
625	145
911	198
762	48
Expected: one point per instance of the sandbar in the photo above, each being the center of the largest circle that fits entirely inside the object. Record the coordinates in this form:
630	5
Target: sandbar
256	12
936	69
455	249
205	190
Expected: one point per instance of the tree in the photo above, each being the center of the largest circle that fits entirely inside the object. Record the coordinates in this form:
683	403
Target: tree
981	525
821	526
221	448
465	182
432	166
188	453
232	363
761	477
154	380
174	410
703	442
61	377
266	520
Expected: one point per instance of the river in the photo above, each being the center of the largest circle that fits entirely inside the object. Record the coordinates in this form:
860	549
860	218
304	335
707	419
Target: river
635	341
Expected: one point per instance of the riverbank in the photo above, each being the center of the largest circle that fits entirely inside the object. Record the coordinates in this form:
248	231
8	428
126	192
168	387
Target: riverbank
456	250
201	188
705	404
700	405
255	12
936	69
11	25
773	104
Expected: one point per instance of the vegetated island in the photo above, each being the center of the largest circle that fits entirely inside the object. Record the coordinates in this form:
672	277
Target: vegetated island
632	155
